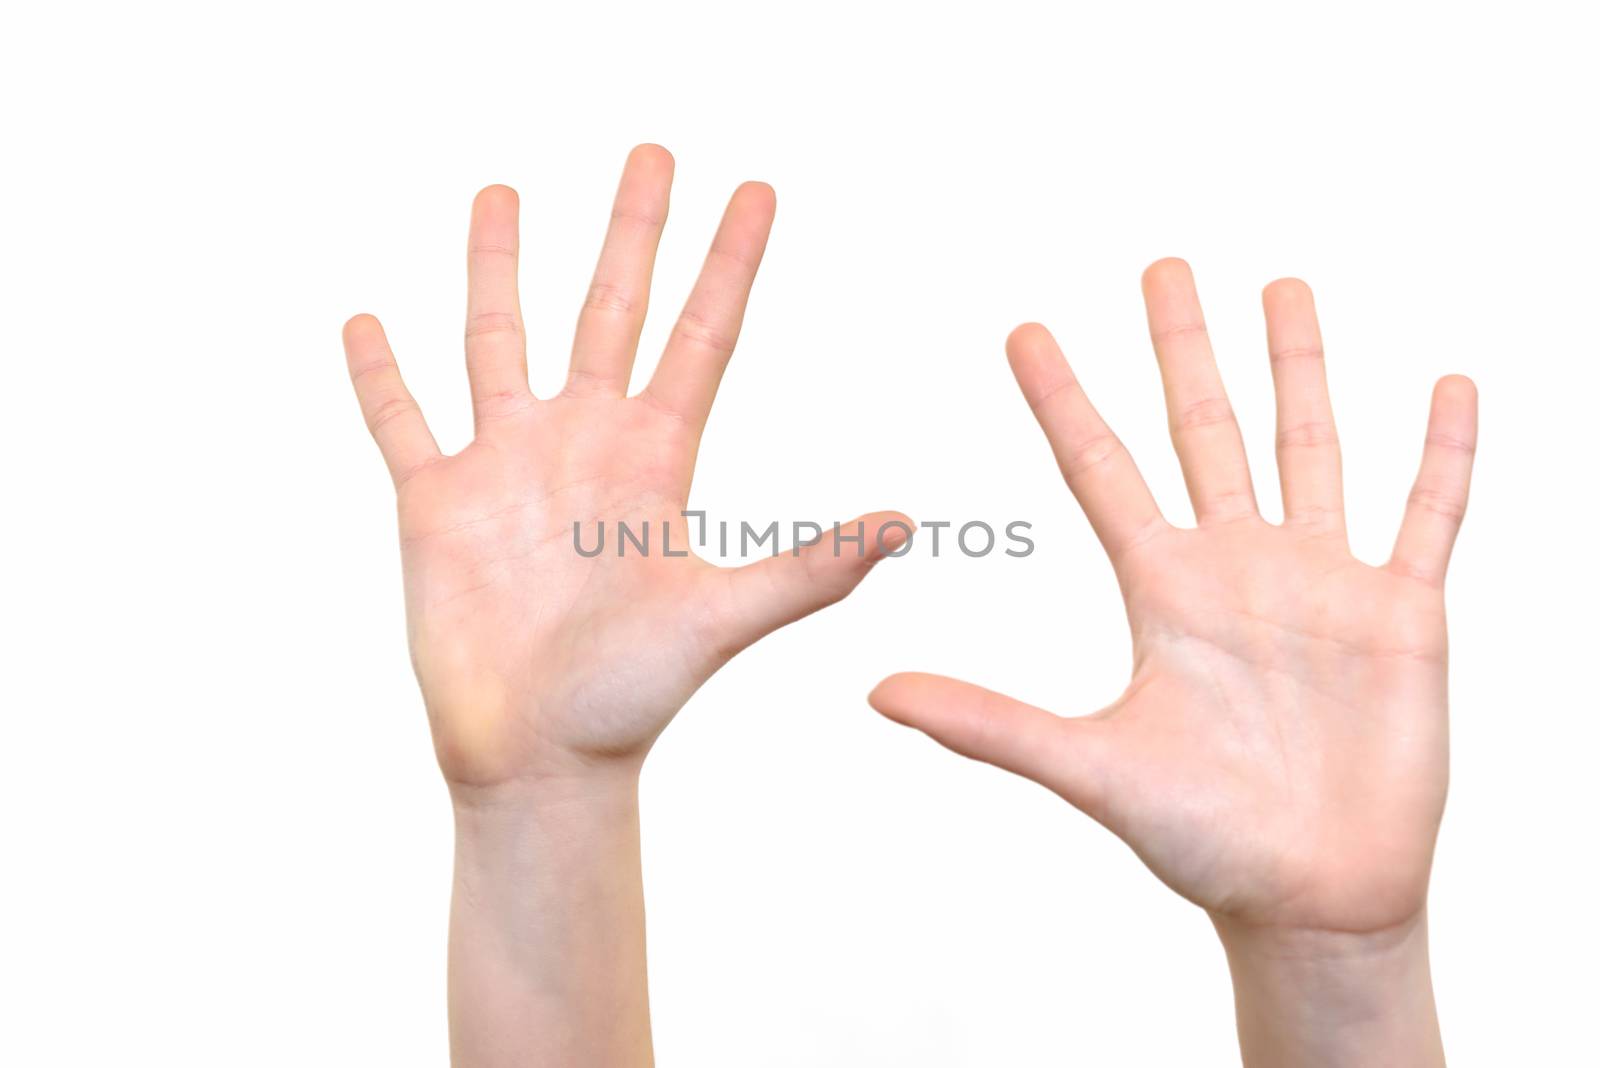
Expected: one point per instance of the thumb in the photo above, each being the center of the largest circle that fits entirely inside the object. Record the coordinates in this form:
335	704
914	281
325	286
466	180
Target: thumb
796	582
1069	756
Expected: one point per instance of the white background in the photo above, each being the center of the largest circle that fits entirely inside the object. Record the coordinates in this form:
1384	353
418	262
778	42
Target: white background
224	836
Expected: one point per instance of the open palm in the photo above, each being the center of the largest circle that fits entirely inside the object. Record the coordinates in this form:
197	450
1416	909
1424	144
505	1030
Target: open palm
1279	756
532	656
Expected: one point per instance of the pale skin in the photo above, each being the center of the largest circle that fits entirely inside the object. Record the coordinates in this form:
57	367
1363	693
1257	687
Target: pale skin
547	675
1280	755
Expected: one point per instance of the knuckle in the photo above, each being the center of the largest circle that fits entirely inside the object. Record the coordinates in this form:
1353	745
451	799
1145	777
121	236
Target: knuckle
1056	391
1450	442
388	410
1449	505
667	410
483	324
583	382
1203	413
1229	506
407	474
1315	520
981	723
828	581
376	368
1178	332
1090	453
1415	571
1296	352
608	297
742	262
1311	434
500	404
625	215
698	330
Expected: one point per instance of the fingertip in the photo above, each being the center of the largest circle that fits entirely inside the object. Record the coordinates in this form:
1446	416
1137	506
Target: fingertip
894	530
652	156
1456	387
362	325
758	196
892	695
882	534
875	695
1453	414
493	196
1166	270
1037	362
1028	340
1028	334
1285	290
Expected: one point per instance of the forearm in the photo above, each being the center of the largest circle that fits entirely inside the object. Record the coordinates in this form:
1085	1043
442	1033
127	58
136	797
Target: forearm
1327	998
547	958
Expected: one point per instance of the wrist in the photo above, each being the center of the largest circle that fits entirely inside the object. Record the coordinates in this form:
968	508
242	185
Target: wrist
559	805
1320	997
547	922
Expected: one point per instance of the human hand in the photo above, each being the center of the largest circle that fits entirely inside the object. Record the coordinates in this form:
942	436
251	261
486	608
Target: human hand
1279	757
547	673
533	659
